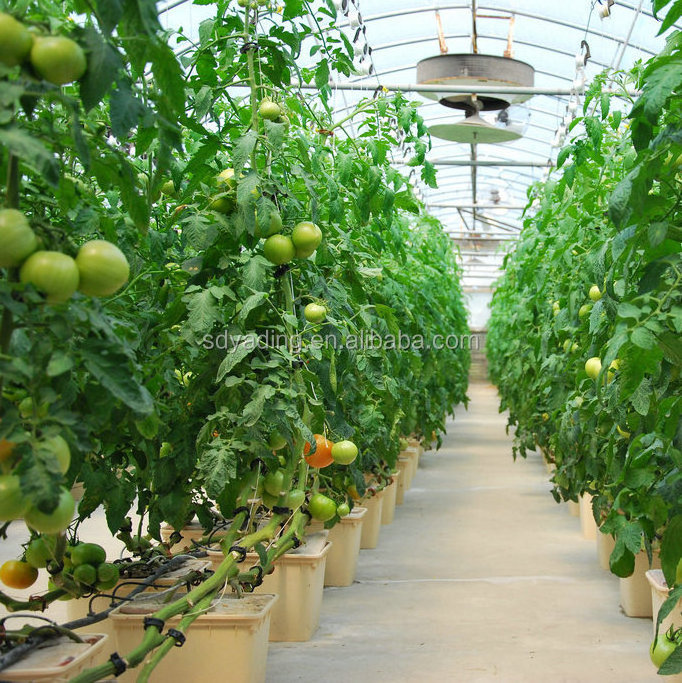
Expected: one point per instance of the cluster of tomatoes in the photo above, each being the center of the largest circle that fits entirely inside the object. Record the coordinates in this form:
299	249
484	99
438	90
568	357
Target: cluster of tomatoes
99	269
56	59
78	569
321	507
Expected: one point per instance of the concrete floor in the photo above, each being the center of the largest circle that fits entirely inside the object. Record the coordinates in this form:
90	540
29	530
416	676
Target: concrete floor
481	577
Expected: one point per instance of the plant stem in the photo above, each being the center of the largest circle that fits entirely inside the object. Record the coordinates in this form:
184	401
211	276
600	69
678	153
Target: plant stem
12	194
254	86
169	643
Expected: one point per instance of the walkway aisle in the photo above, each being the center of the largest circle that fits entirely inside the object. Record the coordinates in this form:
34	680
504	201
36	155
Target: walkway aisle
481	577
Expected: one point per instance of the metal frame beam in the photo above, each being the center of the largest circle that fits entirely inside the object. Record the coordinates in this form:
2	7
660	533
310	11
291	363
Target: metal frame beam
449	89
520	207
530	15
482	162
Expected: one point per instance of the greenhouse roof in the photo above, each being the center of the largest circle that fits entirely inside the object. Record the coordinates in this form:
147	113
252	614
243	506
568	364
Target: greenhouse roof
482	189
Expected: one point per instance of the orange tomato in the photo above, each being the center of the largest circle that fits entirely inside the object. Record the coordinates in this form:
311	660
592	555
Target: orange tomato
6	449
322	457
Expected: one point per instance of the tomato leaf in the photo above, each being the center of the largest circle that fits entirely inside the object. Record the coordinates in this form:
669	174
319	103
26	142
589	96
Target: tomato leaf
250	304
109	13
32	151
671	549
674	13
126	109
217	465
240	350
60	362
672	665
255	273
111	370
643	338
104	63
242	151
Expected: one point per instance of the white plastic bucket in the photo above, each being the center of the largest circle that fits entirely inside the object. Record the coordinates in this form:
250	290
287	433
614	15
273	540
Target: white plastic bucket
342	559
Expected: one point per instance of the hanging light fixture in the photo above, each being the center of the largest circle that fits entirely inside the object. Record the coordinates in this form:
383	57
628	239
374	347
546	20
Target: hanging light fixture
473	130
472	70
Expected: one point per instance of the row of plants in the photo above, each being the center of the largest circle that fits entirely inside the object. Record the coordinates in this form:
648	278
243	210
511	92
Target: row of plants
218	302
584	340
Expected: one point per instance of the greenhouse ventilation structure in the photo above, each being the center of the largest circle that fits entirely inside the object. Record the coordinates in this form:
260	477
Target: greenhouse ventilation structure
340	339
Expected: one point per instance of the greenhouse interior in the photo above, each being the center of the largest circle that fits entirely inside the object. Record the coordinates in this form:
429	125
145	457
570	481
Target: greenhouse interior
340	339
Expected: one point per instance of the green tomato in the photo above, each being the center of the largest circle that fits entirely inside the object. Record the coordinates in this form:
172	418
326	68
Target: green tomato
315	313
661	649
85	574
52	522
344	452
276	441
17	240
226	177
343	510
268	500
273	482
593	367
274	225
87	553
585	310
321	508
296	498
38	553
15	41
59	449
52	273
58	60
103	268
595	293
567	345
279	249
223	203
13	504
269	110
168	188
306	237
107	576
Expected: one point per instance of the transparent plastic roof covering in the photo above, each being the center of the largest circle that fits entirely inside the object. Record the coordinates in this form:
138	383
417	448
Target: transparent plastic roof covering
546	35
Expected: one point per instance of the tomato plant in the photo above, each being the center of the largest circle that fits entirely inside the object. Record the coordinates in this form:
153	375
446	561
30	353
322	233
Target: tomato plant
170	394
611	216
